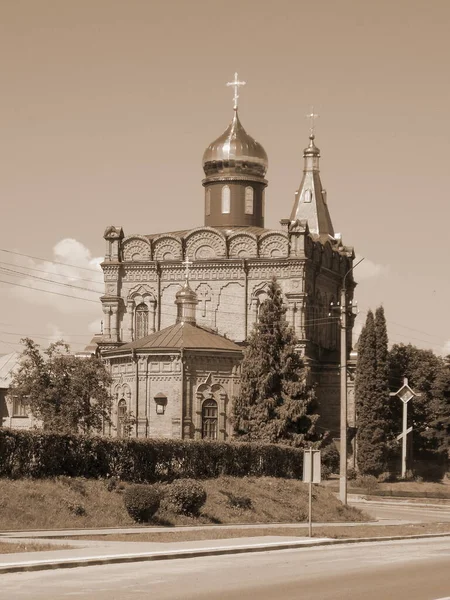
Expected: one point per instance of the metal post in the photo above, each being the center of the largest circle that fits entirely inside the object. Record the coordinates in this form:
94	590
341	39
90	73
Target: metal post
343	374
310	491
404	438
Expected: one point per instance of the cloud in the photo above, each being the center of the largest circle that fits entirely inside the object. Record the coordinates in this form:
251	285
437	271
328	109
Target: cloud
369	269
74	279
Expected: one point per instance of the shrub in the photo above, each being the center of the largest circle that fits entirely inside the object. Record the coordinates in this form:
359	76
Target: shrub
352	474
38	455
326	472
239	502
185	496
141	502
369	483
330	458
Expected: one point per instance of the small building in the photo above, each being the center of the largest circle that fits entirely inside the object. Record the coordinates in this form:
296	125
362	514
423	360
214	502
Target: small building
178	382
13	412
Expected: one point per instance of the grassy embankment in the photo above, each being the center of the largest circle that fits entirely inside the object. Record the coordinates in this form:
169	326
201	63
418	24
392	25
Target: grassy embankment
77	503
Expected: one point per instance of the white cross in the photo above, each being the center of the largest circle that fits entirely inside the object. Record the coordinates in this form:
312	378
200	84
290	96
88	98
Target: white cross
312	116
235	83
186	264
205	297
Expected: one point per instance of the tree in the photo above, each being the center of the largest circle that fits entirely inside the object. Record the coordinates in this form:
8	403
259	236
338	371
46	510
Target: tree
67	394
372	396
275	404
428	375
440	423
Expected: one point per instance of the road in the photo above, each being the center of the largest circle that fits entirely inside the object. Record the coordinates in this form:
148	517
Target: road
412	570
405	511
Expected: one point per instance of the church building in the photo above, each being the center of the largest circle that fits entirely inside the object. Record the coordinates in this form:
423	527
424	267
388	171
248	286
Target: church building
162	362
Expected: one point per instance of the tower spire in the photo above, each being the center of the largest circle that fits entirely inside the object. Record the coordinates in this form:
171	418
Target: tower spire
310	198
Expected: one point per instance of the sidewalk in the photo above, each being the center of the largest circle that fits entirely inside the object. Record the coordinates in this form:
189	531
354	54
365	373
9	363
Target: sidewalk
90	553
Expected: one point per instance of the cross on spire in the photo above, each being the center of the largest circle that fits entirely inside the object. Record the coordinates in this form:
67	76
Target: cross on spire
186	264
312	117
235	83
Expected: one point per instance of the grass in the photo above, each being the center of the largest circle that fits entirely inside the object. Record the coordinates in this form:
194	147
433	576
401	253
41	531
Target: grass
354	531
423	489
13	547
64	503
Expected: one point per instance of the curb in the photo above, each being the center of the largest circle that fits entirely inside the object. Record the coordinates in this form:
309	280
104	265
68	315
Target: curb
180	554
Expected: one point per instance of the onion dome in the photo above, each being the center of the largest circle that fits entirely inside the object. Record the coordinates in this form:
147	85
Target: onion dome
312	149
235	152
186	301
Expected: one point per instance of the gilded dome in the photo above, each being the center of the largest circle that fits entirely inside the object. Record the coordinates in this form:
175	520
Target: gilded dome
235	151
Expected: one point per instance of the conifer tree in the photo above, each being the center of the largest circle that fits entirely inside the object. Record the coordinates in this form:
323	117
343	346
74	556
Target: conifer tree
275	404
372	395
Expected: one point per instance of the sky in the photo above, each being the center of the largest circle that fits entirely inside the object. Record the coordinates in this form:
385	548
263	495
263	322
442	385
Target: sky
106	107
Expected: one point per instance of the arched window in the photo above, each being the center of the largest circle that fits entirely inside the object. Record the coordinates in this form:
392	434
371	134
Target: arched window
141	325
209	420
308	196
208	202
121	414
249	200
226	199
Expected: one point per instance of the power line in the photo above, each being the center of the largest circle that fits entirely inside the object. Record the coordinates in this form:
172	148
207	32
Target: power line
28	287
55	262
51	272
14	273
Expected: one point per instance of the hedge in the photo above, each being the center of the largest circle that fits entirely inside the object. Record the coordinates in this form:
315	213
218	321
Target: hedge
38	455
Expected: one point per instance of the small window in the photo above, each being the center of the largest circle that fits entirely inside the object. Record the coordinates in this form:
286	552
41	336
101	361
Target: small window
308	196
19	408
209	420
141	321
208	202
226	200
249	200
121	417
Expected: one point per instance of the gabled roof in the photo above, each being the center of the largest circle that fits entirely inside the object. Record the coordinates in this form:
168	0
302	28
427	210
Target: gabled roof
8	362
178	336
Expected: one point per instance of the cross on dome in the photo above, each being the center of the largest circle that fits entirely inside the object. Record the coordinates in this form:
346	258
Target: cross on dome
186	264
312	117
235	83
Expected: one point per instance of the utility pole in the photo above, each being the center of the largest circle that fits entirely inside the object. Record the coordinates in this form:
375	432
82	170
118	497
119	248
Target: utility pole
343	377
344	309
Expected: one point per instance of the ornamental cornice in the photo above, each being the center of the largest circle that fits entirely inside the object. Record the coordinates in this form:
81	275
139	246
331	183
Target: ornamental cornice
220	178
205	228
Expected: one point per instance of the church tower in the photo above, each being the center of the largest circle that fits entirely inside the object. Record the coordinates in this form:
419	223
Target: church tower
235	166
310	198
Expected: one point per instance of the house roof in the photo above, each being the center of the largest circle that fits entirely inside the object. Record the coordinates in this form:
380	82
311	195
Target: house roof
181	335
8	362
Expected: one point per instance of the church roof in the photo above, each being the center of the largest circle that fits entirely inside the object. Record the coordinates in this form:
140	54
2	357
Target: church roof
235	145
181	335
227	230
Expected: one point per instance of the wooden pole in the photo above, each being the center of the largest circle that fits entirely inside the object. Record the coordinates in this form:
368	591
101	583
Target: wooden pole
343	425
404	438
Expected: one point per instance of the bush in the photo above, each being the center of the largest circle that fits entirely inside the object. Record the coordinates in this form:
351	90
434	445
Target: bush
185	496
141	502
38	455
330	458
368	483
325	472
352	474
238	502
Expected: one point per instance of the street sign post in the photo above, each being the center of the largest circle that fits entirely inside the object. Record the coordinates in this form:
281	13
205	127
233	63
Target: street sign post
311	474
405	394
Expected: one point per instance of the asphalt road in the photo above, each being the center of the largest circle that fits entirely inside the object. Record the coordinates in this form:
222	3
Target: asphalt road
404	511
412	570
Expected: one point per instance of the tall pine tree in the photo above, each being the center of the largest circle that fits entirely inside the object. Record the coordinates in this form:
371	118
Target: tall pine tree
372	396
275	403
